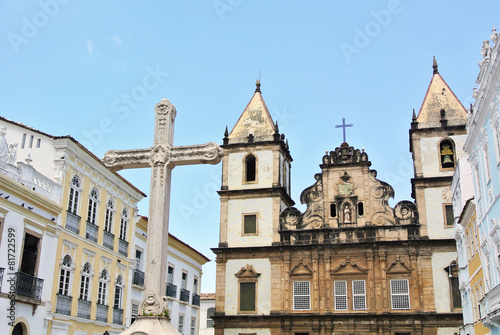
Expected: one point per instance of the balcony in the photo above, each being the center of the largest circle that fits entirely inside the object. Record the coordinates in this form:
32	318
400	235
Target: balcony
63	305
185	295
101	313
91	232
117	316
123	247
1	277
108	240
29	286
138	278
73	222
84	308
196	300
171	291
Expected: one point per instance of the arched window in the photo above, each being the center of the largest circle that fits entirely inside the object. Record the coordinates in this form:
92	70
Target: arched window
123	225
74	195
108	220
64	276
250	168
85	282
102	291
19	329
447	153
361	209
92	211
118	292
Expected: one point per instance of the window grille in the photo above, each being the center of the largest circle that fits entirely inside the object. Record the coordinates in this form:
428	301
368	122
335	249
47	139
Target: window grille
400	294
181	324
103	287
358	295
340	289
301	295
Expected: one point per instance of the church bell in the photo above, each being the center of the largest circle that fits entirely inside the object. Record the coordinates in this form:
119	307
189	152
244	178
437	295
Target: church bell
447	161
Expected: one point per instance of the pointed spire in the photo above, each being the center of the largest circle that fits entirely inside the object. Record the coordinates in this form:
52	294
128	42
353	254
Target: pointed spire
257	84
225	140
434	65
276	135
414	117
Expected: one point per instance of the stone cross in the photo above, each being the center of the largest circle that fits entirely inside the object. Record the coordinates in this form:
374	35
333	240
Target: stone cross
343	126
162	157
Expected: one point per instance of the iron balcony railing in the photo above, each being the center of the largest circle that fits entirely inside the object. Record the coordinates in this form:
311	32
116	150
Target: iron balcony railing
117	316
29	286
196	299
171	290
123	247
63	305
101	313
108	240
1	277
84	308
73	222
185	295
138	278
91	232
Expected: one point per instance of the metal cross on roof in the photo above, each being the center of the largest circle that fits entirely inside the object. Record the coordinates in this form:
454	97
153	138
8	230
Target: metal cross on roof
343	126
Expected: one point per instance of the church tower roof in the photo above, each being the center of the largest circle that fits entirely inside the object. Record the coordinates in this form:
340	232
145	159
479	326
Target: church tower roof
255	120
440	103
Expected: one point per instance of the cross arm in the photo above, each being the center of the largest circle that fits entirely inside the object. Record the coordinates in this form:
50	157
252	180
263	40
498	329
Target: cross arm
208	153
127	159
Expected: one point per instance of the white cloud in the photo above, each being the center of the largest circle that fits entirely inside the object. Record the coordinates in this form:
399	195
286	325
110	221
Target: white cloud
118	41
90	47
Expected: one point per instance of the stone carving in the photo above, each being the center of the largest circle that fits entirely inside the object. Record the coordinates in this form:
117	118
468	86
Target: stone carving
246	272
313	197
162	157
346	212
486	49
398	265
345	155
8	153
348	266
494	35
406	212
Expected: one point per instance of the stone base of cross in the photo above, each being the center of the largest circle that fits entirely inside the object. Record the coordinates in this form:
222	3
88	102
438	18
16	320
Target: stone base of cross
162	157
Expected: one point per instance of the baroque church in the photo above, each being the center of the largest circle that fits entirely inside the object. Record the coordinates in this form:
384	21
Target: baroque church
349	264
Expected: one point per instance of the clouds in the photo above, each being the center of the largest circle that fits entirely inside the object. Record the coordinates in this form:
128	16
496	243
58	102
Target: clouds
90	47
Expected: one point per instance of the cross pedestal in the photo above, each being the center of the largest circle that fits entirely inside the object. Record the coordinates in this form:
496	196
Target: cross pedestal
162	157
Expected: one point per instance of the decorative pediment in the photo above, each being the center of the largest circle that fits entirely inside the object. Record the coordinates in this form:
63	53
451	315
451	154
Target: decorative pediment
247	272
347	266
398	265
301	269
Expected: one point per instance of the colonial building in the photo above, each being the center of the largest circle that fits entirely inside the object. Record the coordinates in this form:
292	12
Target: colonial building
85	269
183	281
29	217
350	264
470	271
483	147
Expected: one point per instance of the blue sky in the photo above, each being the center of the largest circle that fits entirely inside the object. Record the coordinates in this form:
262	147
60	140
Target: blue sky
95	69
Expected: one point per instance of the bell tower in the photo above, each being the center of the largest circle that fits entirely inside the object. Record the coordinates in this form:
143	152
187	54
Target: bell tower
255	178
437	137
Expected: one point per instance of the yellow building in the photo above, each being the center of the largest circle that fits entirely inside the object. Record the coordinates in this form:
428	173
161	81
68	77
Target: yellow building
93	259
475	271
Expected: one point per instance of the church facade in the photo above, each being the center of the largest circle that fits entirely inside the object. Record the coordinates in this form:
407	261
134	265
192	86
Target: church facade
349	264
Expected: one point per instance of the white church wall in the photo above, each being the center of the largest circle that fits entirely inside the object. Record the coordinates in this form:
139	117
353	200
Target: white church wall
435	213
263	294
264	168
263	207
441	280
429	148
